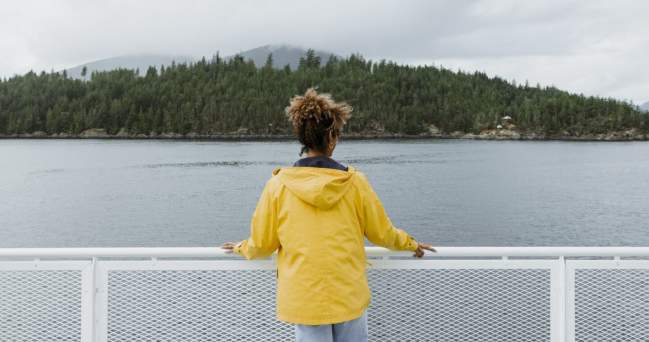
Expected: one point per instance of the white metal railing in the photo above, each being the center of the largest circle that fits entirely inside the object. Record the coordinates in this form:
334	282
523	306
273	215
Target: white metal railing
194	294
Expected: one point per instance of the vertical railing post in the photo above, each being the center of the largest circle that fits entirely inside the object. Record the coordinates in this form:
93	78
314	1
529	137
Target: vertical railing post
570	301
558	301
88	302
100	302
564	288
94	299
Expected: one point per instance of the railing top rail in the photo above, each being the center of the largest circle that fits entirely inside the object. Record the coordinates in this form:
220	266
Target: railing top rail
210	252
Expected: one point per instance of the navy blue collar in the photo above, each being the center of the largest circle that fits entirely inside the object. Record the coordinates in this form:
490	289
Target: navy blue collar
320	161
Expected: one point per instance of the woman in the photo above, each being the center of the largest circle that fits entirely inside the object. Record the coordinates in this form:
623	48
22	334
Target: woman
317	215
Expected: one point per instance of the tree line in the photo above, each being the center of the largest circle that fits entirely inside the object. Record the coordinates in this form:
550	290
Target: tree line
219	96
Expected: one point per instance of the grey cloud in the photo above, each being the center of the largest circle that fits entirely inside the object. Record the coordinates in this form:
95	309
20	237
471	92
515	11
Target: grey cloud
596	46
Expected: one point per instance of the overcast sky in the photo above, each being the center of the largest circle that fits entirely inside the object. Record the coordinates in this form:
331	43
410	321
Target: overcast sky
591	47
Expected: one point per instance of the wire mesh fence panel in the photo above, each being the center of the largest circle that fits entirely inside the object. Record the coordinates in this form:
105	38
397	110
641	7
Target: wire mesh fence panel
460	305
40	305
611	304
196	305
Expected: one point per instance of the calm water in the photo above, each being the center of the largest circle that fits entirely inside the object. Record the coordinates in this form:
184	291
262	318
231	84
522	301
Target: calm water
56	193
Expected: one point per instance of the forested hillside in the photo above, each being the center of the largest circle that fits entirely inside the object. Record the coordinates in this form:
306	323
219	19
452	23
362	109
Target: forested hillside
219	97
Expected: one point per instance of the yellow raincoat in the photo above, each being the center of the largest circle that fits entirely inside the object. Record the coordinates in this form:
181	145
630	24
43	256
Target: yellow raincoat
317	219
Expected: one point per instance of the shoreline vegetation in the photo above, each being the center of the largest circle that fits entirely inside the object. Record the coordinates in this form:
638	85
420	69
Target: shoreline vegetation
234	99
496	134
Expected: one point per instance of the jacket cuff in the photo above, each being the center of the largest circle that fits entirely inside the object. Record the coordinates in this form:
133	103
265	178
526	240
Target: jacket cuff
412	244
237	248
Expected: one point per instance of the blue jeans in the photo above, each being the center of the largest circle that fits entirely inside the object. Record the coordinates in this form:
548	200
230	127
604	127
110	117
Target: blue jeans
350	331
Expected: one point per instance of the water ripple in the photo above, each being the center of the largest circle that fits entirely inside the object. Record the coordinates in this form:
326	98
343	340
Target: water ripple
46	171
232	163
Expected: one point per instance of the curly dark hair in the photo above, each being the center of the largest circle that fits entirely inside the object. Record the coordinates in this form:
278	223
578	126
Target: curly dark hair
317	119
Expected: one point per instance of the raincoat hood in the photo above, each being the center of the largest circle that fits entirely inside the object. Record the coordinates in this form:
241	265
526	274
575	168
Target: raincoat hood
319	187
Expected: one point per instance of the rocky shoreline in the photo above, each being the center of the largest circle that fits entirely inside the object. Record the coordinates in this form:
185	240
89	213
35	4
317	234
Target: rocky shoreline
492	134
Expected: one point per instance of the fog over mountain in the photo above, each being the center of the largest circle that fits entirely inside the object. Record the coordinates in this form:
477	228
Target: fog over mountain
141	62
645	106
283	55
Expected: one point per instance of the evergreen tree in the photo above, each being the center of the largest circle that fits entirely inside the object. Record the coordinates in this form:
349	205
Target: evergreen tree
220	96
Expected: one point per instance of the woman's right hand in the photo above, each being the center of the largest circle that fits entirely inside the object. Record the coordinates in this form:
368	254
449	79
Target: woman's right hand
419	252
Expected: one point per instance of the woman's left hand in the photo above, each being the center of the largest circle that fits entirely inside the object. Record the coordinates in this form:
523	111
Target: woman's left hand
229	246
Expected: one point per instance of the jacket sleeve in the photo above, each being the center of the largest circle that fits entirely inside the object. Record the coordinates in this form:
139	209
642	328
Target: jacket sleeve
263	240
377	225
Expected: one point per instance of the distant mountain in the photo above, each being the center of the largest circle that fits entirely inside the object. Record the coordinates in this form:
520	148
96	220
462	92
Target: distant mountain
645	106
282	55
141	62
